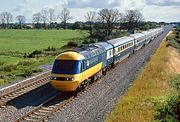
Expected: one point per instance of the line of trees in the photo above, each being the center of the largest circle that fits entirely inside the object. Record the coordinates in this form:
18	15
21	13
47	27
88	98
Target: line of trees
99	24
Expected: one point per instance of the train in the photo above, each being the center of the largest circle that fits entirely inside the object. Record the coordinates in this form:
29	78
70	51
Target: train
75	69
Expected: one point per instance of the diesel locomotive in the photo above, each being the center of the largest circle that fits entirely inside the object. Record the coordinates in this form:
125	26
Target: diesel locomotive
75	69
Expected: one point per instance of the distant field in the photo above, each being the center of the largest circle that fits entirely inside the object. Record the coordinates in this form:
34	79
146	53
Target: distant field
15	43
30	40
9	59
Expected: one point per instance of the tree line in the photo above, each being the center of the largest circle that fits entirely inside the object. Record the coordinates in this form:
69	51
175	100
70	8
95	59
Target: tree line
101	23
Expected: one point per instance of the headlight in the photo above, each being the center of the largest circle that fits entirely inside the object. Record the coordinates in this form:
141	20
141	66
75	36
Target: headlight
69	79
52	78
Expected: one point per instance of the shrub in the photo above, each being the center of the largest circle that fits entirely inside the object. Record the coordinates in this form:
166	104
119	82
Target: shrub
50	49
8	68
36	70
175	82
25	63
168	109
27	72
3	78
72	44
34	53
1	63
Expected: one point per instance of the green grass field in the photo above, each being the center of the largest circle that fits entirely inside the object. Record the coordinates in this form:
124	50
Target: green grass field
15	43
30	40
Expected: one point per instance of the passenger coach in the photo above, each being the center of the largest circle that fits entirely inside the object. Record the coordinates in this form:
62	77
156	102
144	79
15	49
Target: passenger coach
75	69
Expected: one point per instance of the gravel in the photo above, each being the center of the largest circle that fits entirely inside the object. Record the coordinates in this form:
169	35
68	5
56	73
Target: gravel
93	105
21	105
99	101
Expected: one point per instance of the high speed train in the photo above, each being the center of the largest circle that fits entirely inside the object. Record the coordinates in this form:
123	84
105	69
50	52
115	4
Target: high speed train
75	69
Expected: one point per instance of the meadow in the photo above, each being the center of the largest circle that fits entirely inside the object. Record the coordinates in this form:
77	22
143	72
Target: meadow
30	40
15	44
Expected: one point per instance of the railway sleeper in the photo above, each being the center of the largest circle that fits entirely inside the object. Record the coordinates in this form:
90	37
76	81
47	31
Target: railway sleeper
33	116
39	114
31	120
47	108
43	111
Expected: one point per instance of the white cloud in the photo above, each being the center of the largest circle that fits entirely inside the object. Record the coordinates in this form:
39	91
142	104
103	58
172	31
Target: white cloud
163	2
161	13
156	10
18	8
92	3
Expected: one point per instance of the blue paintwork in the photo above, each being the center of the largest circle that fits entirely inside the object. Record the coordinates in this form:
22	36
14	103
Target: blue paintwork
123	53
119	42
93	54
136	37
97	53
107	47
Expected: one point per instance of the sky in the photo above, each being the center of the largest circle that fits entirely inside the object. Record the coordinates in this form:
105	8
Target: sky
153	10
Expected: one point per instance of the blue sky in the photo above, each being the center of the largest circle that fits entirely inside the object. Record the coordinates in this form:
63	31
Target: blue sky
153	10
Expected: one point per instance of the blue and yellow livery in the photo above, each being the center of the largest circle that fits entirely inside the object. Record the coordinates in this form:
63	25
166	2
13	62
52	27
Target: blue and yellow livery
77	68
71	68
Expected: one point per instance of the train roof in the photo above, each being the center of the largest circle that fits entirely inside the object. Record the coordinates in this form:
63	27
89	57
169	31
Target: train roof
106	45
146	32
137	35
91	51
119	41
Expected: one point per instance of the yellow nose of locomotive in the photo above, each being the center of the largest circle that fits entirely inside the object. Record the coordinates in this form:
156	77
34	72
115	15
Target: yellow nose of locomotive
66	71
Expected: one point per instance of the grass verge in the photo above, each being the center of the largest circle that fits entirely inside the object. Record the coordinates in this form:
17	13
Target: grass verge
151	86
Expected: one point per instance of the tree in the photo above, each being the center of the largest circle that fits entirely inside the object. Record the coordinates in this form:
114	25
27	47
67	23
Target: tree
132	18
109	17
90	17
77	25
65	16
37	17
21	20
45	16
3	20
6	18
51	15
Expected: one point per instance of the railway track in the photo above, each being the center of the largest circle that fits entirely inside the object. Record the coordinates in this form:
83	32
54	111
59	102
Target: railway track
18	91
51	106
47	109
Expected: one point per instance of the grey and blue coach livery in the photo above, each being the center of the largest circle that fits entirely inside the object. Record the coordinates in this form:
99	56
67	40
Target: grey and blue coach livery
122	47
74	69
139	39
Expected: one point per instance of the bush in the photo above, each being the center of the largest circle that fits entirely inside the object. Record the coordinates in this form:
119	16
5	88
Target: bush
34	53
8	68
90	41
168	109
25	63
175	82
1	63
72	44
36	70
50	49
27	72
3	78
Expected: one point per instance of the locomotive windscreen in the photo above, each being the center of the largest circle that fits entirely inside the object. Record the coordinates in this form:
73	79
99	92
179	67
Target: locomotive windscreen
66	67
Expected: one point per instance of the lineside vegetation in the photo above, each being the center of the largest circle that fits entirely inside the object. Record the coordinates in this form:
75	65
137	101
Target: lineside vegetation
154	94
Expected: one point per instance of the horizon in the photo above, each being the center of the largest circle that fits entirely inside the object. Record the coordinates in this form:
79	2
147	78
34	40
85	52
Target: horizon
168	9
